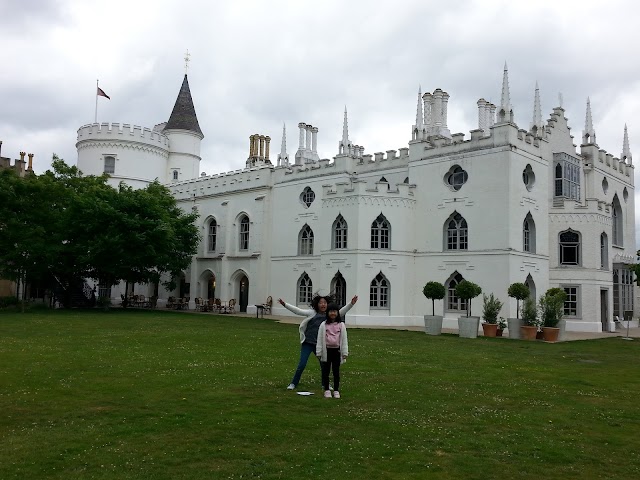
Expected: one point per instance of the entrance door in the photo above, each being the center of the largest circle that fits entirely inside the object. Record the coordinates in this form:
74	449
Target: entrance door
243	298
604	310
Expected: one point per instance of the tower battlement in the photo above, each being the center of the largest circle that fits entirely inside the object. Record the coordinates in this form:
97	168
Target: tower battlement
122	132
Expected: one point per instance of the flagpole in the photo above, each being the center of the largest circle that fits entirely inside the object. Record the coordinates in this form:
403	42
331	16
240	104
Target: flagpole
96	117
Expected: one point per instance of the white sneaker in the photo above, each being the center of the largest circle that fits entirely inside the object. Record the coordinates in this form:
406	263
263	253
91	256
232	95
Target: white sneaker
336	394
291	386
327	394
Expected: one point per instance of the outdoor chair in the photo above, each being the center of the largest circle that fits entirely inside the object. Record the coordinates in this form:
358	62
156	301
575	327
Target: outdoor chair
267	305
232	306
217	305
198	301
171	302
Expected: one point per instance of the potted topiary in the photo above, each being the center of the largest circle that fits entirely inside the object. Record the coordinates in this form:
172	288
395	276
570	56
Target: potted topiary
433	323
551	306
529	326
502	324
468	326
491	307
519	291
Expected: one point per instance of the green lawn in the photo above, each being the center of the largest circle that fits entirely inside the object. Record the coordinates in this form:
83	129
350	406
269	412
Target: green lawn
165	395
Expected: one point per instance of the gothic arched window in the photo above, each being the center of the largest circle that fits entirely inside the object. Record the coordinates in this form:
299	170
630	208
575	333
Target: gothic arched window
457	233
380	229
339	231
305	241
379	292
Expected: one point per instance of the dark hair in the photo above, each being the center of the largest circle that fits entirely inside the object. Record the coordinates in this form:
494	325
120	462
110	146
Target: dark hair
334	307
316	299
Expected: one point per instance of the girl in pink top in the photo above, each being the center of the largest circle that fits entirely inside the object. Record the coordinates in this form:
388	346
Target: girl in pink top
332	348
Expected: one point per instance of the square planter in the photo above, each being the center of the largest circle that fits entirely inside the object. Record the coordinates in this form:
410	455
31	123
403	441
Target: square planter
433	324
468	327
513	325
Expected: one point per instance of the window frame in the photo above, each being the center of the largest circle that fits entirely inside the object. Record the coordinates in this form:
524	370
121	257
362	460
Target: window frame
379	292
243	231
453	302
305	241
566	245
572	307
381	233
339	233
212	235
457	237
304	289
111	165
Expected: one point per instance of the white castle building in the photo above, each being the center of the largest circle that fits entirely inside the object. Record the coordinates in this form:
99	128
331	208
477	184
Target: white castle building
506	204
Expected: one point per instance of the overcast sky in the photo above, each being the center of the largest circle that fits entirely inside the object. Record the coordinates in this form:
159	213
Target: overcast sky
258	64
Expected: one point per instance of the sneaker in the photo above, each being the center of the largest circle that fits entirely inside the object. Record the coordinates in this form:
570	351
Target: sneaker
291	386
327	394
336	394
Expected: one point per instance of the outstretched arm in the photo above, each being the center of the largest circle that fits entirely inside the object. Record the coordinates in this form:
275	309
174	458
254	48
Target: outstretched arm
348	306
296	310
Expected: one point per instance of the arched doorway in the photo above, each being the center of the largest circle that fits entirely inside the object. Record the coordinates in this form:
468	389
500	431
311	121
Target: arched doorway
243	297
339	289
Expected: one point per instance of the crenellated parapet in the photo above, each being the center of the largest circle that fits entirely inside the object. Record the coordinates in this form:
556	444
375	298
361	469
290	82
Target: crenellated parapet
595	157
362	193
222	183
122	133
500	135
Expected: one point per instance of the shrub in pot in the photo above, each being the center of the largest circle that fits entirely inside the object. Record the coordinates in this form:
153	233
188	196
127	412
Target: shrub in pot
468	326
433	323
491	307
529	320
551	306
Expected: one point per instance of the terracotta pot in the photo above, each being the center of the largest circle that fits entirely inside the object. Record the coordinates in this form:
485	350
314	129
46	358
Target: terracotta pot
528	332
550	334
490	329
499	332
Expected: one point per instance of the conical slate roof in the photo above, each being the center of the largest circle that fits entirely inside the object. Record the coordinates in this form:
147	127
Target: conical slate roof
183	116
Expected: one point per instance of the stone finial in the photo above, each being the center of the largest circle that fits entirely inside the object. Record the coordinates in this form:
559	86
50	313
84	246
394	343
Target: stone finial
283	157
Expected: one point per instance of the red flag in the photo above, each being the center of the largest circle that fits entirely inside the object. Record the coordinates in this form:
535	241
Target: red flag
102	94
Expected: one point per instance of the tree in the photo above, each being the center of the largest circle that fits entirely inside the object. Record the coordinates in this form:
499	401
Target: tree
62	227
434	291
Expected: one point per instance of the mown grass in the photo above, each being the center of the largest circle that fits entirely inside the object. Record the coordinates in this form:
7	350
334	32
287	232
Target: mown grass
164	395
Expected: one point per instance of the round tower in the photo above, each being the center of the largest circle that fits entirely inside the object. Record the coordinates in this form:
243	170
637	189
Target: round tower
131	154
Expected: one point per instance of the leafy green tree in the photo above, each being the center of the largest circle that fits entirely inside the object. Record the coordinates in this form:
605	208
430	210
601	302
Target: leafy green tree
467	290
519	291
61	227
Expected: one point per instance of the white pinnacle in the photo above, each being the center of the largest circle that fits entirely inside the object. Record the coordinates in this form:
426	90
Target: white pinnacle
537	111
283	148
419	115
505	100
589	134
345	129
626	151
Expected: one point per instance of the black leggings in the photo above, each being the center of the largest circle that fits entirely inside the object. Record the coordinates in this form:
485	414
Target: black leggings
333	361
